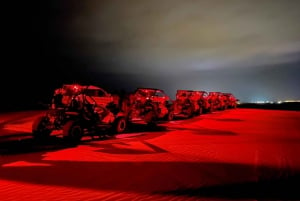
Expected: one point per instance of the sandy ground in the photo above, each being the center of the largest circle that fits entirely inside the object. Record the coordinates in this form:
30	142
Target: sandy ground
240	154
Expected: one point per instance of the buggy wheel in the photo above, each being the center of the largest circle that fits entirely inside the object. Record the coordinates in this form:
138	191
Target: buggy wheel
149	117
200	111
72	131
39	128
170	116
152	125
120	125
189	112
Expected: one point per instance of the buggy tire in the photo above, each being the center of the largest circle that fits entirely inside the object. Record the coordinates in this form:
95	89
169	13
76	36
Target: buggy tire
200	111
120	125
151	125
72	131
39	130
149	117
190	111
170	116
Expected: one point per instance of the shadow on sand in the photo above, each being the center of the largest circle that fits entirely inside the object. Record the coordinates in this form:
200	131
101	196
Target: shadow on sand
187	179
265	189
17	143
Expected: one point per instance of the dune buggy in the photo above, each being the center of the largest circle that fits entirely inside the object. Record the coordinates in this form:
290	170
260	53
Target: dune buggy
77	110
200	97
189	103
230	100
150	105
217	101
184	105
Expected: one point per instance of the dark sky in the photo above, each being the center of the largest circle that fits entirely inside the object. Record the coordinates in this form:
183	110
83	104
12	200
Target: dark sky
250	48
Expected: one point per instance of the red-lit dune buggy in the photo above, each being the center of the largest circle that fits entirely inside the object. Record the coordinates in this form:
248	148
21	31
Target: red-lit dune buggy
150	106
216	101
222	101
77	110
200	97
230	100
184	105
189	103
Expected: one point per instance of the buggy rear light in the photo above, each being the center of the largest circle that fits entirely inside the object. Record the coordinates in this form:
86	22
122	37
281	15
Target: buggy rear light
75	88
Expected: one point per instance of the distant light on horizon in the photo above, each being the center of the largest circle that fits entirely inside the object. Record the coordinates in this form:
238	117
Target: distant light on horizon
278	102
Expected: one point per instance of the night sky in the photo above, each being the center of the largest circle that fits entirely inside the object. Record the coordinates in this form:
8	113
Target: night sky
250	48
